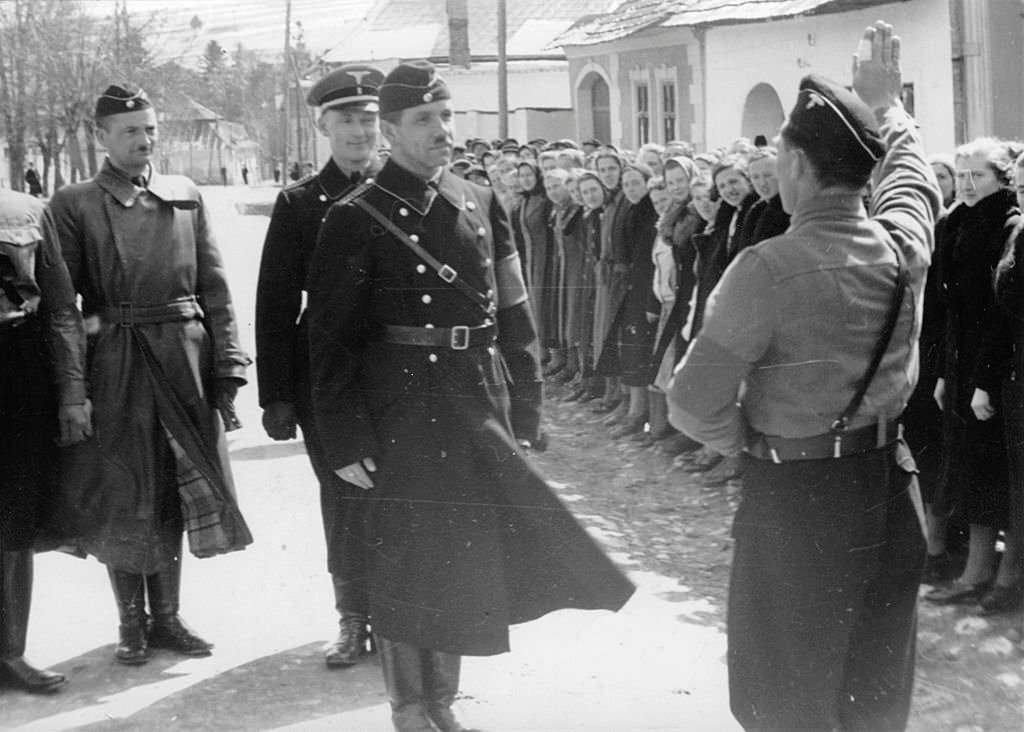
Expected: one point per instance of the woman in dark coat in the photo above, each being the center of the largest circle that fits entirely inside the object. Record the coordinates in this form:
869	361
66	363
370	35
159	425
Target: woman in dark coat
766	217
626	351
530	224
974	477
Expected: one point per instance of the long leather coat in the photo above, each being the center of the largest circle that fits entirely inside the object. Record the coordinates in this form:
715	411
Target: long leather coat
145	263
465	536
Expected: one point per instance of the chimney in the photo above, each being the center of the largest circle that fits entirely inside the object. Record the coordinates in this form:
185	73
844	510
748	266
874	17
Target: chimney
458	33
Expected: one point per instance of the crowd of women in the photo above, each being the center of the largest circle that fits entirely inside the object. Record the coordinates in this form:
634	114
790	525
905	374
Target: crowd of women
622	250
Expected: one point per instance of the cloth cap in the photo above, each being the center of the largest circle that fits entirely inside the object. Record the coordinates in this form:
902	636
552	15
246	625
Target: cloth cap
411	84
831	117
118	100
349	84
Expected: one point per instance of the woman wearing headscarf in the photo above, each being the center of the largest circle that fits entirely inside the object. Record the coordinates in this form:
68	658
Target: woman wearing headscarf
530	225
626	351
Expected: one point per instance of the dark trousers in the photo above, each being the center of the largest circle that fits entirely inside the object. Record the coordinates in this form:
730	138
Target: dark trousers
822	600
343	508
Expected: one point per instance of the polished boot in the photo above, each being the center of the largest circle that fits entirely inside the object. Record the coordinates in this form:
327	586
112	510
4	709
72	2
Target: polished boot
15	603
441	687
130	593
166	628
557	362
353	638
404	675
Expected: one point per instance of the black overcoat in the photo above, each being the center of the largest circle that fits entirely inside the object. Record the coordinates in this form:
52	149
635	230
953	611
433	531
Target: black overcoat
465	536
282	353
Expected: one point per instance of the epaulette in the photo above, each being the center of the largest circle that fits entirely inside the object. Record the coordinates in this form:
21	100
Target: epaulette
300	182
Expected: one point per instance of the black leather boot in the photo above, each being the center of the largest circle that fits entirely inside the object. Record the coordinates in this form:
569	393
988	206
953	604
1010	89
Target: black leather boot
166	628
130	593
404	673
353	638
442	685
15	603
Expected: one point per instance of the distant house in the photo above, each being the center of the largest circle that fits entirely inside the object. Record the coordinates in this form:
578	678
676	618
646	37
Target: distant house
709	71
539	102
197	142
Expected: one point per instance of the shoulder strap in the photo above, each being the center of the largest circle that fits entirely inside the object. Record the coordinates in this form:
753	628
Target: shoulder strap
355	192
902	276
446	273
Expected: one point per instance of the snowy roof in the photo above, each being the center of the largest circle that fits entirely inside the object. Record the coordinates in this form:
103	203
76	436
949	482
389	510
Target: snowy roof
632	16
419	29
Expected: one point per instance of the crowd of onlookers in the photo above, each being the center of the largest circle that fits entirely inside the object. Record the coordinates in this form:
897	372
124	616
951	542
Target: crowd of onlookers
621	250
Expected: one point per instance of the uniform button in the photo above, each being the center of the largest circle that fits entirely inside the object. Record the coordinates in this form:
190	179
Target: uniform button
481	231
414	237
426	299
471	206
490	350
432	358
488	262
323	197
429	325
403	211
490	293
421	268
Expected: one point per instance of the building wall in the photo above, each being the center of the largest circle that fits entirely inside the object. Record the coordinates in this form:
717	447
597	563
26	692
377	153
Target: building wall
653	57
1005	44
780	53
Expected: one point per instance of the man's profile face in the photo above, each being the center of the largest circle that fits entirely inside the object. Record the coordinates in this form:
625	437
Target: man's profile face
352	133
129	137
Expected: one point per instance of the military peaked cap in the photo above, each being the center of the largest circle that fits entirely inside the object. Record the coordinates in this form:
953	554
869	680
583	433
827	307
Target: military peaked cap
118	100
411	84
829	116
350	84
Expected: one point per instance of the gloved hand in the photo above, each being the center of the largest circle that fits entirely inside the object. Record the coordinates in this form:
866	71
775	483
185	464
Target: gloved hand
227	390
75	423
279	420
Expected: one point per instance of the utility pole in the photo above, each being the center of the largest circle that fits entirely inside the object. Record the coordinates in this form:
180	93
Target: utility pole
286	70
502	72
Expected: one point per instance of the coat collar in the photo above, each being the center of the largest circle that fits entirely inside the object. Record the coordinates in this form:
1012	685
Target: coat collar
416	192
333	182
830	203
117	183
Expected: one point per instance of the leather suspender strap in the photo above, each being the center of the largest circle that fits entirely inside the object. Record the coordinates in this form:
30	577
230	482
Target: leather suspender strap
902	276
447	274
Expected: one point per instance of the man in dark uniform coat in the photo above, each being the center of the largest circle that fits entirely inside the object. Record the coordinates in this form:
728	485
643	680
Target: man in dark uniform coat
37	307
829	541
424	369
165	361
347	100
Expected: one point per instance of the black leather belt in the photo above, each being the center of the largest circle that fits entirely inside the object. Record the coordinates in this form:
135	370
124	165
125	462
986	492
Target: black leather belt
827	446
457	338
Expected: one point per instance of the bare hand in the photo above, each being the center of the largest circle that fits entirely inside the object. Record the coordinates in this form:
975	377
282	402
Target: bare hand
358	473
279	420
877	77
981	405
653	318
75	422
939	395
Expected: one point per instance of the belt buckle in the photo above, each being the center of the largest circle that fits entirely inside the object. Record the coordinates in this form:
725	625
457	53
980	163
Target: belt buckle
447	274
126	314
460	338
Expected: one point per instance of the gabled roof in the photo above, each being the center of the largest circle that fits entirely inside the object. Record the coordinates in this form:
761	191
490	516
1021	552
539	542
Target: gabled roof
632	16
419	29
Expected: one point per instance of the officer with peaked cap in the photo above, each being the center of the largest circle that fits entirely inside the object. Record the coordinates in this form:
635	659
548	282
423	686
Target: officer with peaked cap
346	100
37	309
424	366
166	359
829	541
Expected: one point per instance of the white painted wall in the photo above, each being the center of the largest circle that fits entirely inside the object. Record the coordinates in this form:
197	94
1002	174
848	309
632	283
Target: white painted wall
780	53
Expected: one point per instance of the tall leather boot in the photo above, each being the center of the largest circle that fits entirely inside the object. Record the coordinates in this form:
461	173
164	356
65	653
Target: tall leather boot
166	628
130	593
404	675
15	603
442	686
353	638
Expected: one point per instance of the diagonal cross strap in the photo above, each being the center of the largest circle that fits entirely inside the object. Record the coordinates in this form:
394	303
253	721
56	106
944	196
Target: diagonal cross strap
446	273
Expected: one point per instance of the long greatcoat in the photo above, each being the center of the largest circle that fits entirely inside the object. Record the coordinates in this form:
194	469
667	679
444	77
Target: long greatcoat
465	536
282	342
145	262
